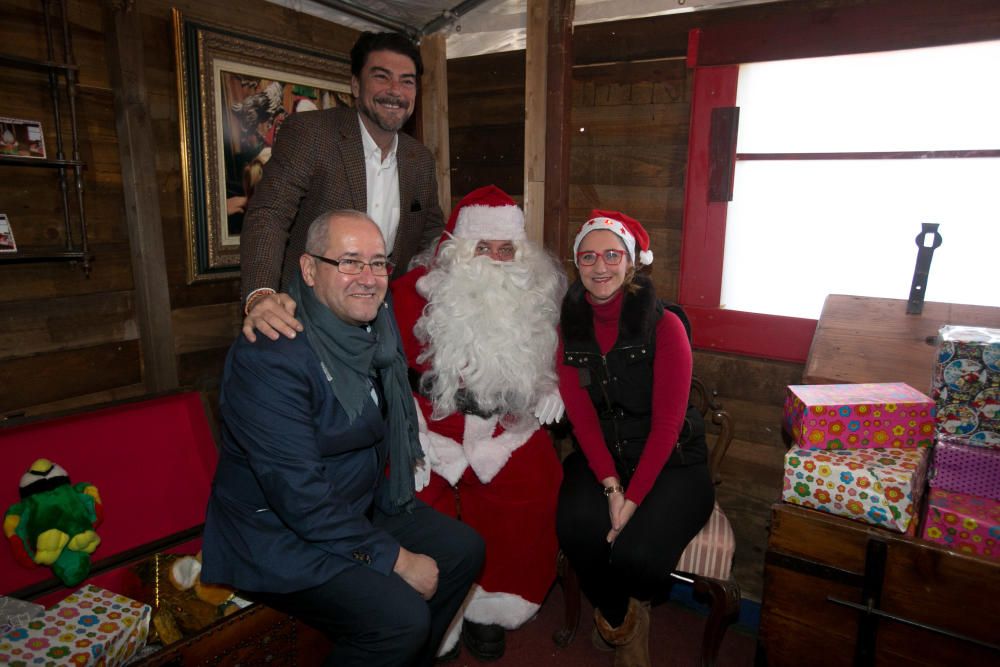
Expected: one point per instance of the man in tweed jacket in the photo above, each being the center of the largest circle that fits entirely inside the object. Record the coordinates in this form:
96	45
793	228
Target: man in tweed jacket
341	158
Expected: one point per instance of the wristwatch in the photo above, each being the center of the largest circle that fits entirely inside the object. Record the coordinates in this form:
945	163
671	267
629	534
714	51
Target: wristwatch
614	488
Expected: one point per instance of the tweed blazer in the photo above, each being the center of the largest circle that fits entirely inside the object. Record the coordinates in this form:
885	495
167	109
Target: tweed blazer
317	165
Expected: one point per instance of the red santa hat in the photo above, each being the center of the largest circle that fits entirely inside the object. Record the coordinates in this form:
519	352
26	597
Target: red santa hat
486	214
624	227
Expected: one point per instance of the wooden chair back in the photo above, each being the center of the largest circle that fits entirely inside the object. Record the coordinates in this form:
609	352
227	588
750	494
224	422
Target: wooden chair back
707	403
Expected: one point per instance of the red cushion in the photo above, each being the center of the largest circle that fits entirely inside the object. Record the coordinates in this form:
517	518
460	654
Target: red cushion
152	462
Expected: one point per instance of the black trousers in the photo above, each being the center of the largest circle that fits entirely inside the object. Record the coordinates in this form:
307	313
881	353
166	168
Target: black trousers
639	563
377	620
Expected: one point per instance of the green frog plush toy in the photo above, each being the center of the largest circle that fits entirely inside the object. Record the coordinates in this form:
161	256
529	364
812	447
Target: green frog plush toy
54	522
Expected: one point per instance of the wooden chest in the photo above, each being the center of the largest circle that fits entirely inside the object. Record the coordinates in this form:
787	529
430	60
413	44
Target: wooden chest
837	592
152	461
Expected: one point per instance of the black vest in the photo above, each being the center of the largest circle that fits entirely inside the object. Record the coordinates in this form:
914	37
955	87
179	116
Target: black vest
620	383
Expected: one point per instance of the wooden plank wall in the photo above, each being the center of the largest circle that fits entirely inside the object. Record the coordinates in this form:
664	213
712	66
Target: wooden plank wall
486	123
67	340
65	337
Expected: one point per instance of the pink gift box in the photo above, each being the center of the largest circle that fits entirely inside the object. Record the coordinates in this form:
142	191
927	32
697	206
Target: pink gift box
93	626
964	467
878	486
964	523
859	416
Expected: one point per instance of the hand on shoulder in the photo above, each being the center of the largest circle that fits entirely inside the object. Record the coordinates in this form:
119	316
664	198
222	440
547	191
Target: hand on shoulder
272	314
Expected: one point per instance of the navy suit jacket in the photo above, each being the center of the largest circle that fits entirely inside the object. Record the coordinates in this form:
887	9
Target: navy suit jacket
296	482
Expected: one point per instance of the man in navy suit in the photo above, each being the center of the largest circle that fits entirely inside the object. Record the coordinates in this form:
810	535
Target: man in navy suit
302	515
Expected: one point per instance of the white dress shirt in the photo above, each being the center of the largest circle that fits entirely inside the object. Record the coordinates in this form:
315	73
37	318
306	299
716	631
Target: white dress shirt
382	184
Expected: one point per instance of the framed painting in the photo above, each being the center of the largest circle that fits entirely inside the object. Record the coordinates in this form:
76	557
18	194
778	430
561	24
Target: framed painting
234	91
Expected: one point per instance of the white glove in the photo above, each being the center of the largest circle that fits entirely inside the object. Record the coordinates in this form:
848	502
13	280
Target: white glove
441	454
422	470
447	457
550	408
488	455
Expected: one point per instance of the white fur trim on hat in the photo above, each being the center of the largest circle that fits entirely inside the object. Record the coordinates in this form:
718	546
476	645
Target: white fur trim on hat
615	227
490	223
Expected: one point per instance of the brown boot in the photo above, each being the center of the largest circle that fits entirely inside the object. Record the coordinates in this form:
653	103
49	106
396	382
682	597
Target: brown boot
631	638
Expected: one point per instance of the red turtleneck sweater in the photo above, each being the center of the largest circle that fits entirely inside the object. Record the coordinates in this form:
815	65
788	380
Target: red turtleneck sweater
672	368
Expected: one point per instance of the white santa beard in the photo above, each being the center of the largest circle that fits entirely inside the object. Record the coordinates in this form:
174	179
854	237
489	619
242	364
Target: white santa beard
490	328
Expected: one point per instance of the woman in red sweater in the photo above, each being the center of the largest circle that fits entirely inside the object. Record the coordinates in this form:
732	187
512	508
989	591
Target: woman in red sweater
637	489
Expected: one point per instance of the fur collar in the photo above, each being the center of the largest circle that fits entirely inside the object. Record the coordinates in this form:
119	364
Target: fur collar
638	319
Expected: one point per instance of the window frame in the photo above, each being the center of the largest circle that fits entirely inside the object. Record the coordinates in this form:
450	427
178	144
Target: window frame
703	247
714	54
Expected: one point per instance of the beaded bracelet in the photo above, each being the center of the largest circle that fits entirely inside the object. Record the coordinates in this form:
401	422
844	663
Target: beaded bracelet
614	488
253	298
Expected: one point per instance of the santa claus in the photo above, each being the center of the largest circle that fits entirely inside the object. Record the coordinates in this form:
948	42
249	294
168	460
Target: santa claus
478	322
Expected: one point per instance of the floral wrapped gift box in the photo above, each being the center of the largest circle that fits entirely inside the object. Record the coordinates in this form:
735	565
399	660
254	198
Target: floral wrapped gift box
93	626
878	486
858	416
964	523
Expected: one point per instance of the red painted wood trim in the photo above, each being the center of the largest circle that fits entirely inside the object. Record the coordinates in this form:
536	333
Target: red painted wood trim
782	31
704	222
714	328
694	39
751	334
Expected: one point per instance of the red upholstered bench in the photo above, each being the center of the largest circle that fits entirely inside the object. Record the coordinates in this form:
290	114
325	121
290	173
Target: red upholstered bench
152	461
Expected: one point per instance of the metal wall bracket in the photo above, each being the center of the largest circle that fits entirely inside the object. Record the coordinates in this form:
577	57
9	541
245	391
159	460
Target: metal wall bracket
915	304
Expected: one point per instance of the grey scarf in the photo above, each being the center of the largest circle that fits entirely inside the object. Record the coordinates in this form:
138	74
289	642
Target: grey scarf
352	355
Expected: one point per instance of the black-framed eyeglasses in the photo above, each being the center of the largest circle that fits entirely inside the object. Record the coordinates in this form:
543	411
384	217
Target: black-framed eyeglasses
589	257
353	267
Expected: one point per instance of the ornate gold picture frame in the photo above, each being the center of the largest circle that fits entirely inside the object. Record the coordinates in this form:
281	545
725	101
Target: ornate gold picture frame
234	90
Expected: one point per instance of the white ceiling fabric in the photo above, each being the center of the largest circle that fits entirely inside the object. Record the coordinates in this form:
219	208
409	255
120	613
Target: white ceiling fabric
495	25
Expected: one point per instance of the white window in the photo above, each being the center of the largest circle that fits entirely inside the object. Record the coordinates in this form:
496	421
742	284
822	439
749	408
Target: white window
839	162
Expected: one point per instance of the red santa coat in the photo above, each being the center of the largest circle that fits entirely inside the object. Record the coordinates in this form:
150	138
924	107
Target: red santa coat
504	485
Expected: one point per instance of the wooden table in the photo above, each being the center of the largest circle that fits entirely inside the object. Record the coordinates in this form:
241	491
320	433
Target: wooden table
864	339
